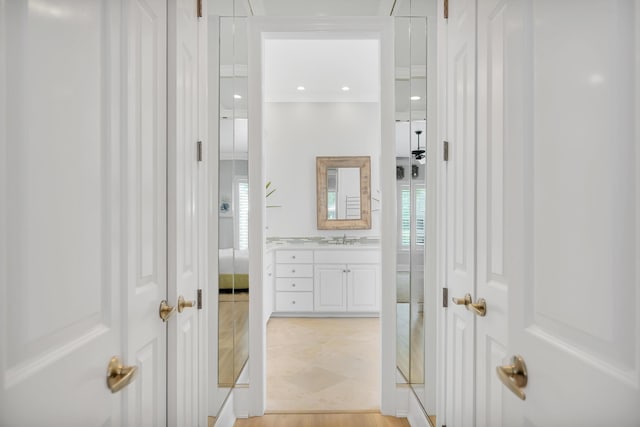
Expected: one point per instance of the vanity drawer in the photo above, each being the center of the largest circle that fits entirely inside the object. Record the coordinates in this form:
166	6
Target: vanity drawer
294	284
292	257
294	301
294	270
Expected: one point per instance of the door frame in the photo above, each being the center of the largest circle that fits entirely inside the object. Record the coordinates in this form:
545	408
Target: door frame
380	28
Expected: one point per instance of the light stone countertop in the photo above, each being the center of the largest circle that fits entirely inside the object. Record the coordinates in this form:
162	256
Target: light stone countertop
321	246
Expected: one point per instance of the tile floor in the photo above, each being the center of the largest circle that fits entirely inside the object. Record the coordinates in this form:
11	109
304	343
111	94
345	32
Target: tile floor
323	365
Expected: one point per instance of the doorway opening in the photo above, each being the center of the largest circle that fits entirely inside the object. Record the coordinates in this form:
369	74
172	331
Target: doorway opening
322	290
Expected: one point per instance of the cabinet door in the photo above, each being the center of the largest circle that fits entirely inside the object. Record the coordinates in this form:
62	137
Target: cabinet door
362	287
330	292
268	280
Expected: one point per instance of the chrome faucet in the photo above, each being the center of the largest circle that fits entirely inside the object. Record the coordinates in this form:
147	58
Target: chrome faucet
344	239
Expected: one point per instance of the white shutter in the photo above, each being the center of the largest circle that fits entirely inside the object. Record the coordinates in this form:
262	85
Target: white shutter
405	209
420	211
243	213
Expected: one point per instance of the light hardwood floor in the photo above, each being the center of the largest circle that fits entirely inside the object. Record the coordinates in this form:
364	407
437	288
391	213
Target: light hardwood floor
323	365
323	420
233	341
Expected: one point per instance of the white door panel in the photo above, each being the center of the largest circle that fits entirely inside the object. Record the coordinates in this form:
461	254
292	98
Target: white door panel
147	206
572	212
184	274
60	211
492	282
461	206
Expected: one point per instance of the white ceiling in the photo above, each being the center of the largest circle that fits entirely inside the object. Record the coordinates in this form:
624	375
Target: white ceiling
322	67
323	70
320	7
301	7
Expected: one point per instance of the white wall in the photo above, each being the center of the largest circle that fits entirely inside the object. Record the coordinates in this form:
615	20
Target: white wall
294	135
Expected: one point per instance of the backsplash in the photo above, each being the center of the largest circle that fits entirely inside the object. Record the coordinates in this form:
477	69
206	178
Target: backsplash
320	240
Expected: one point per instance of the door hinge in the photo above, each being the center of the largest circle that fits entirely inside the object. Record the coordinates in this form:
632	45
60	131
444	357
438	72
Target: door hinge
199	299
445	151
446	9
199	7
199	151
445	297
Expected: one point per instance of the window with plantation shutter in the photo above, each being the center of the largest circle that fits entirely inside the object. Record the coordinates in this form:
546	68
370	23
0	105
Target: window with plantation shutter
420	214
243	213
405	231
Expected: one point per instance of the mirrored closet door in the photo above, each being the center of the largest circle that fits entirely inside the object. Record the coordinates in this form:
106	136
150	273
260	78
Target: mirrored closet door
228	126
415	196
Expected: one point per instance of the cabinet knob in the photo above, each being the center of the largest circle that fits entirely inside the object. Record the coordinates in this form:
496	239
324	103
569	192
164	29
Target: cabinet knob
293	256
293	271
293	302
293	285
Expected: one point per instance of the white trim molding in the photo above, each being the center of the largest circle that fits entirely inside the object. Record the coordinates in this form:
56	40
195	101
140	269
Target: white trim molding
380	28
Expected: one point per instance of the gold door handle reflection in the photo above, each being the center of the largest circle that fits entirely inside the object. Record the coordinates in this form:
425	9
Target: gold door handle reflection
165	310
118	375
466	300
182	304
479	308
514	376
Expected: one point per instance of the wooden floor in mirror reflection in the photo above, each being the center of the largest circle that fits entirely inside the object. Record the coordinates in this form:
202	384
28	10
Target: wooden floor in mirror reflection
233	338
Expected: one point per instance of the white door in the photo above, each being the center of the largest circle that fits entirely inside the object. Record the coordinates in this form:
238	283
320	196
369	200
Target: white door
146	207
362	287
572	210
62	242
460	269
184	224
329	293
492	281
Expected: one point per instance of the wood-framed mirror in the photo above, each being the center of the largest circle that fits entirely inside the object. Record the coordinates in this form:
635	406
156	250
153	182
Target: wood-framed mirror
343	193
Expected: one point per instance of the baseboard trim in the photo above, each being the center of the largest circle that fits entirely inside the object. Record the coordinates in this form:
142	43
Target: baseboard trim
322	411
325	314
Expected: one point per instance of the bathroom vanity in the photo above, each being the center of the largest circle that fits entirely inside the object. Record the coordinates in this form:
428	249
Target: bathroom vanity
324	280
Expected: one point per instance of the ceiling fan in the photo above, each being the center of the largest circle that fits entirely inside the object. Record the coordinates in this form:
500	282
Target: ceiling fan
419	154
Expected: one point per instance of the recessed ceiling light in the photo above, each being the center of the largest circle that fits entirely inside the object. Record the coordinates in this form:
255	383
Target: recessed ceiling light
345	88
300	88
236	96
415	98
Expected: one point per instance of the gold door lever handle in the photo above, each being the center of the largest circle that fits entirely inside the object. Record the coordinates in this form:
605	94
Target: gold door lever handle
118	375
479	308
182	304
466	300
514	376
165	310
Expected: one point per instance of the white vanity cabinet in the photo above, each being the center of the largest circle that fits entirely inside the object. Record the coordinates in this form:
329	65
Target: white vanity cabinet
350	286
363	288
268	279
332	281
294	281
330	290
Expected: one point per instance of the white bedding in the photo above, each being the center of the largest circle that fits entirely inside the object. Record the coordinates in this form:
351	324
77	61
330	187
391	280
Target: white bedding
228	257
